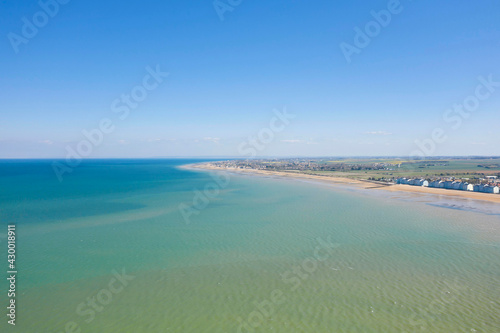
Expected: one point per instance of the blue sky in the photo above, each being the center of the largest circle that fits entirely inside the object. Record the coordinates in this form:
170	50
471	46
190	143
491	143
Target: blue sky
227	76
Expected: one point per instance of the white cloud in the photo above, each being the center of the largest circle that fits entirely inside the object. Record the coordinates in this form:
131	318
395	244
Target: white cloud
378	133
292	141
214	140
307	142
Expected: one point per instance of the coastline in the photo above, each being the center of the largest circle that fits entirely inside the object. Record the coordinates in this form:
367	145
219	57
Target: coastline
368	185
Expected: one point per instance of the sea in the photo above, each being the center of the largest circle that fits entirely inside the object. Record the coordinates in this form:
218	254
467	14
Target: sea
155	246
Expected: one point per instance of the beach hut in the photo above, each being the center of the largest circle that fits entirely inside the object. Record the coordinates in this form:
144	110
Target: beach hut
434	183
441	184
456	185
470	187
496	189
490	189
477	188
448	184
463	186
421	182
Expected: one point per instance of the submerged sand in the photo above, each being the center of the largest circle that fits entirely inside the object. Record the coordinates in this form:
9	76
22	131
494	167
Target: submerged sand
365	184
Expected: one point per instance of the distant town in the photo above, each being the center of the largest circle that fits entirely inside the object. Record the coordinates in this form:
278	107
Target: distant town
475	174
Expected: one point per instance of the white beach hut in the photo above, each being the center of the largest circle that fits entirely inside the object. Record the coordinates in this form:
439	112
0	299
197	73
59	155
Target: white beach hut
463	186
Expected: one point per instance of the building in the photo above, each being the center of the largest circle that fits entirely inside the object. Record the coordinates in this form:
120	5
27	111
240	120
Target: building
490	189
434	183
452	185
464	186
402	181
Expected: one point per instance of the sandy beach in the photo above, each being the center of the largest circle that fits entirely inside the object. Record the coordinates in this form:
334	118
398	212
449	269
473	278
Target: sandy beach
369	185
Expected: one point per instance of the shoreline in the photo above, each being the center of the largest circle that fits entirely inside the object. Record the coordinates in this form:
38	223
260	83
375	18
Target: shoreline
367	185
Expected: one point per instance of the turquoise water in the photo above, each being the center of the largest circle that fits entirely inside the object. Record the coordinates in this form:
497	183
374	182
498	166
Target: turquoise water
257	255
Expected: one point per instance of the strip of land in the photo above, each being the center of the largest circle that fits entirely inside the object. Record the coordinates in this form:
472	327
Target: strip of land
363	184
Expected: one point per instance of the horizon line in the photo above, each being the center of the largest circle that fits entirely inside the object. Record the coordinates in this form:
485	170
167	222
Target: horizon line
253	158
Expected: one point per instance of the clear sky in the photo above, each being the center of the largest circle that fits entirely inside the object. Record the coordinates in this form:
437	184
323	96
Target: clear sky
65	71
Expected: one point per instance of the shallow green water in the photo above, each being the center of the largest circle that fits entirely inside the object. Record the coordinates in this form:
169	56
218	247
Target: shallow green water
263	255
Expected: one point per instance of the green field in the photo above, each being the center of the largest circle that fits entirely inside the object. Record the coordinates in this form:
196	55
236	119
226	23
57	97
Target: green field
373	168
